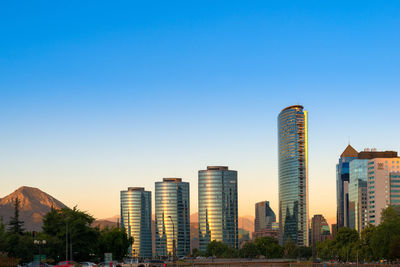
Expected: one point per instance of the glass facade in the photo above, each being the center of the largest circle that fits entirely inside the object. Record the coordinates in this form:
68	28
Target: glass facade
358	194
136	219
293	175
342	186
218	206
172	217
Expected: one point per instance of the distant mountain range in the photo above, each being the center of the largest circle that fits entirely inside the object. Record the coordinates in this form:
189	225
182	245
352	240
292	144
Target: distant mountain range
34	205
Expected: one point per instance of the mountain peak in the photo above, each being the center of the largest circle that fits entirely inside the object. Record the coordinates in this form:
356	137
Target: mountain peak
34	205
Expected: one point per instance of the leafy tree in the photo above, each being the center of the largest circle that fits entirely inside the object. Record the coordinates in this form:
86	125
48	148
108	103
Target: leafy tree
20	246
290	250
386	234
220	250
249	250
74	225
15	225
269	247
116	241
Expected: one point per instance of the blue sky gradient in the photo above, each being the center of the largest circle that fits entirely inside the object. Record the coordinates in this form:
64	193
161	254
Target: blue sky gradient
96	96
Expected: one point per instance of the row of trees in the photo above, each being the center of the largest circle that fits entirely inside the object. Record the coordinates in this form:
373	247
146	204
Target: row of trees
267	247
68	233
374	243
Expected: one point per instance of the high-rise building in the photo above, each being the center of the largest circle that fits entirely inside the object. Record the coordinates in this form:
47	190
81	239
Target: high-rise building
136	219
348	215
172	218
383	186
293	175
218	206
342	185
358	194
264	216
319	229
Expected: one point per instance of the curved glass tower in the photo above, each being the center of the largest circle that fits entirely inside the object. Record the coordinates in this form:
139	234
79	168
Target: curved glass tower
218	206
293	175
172	218
136	219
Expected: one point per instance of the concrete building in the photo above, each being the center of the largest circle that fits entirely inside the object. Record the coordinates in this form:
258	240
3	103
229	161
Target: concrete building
382	179
136	219
218	206
264	216
319	229
172	217
293	175
346	216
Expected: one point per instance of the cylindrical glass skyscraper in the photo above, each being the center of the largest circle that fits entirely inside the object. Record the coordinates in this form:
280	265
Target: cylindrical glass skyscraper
136	219
172	219
218	206
293	175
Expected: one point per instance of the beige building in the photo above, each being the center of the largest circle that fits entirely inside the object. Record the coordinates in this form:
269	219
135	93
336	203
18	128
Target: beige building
383	190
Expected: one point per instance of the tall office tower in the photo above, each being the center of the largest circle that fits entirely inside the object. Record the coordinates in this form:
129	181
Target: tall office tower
342	185
358	194
172	220
383	186
265	216
218	206
319	229
293	175
136	219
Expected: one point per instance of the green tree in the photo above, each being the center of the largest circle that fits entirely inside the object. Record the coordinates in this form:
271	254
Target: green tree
386	233
290	250
249	250
15	225
269	247
116	241
75	225
220	250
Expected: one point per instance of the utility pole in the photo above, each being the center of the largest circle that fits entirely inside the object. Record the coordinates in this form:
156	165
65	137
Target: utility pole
66	241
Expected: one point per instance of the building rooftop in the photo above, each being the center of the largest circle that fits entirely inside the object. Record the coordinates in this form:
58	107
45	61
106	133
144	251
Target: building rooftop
371	154
170	180
217	168
293	107
349	152
135	188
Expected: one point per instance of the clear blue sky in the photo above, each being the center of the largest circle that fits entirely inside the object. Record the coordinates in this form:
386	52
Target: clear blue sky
96	96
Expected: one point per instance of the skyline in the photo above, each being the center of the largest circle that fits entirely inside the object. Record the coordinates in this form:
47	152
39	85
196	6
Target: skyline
125	95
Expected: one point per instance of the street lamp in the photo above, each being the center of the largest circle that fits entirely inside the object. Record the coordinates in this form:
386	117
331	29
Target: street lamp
173	241
39	243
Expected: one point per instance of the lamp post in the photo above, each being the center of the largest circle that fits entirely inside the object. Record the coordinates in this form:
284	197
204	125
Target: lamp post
173	241
39	243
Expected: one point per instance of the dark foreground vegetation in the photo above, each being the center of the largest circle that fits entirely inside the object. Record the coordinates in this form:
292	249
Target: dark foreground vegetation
67	230
61	227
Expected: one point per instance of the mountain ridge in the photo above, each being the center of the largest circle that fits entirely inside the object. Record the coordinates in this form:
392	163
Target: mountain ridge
34	204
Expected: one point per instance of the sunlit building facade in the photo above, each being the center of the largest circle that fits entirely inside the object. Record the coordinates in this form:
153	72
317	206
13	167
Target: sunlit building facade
136	219
383	186
293	175
172	217
218	206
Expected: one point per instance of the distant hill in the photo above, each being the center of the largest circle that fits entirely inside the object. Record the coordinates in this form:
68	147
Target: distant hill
34	205
104	223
